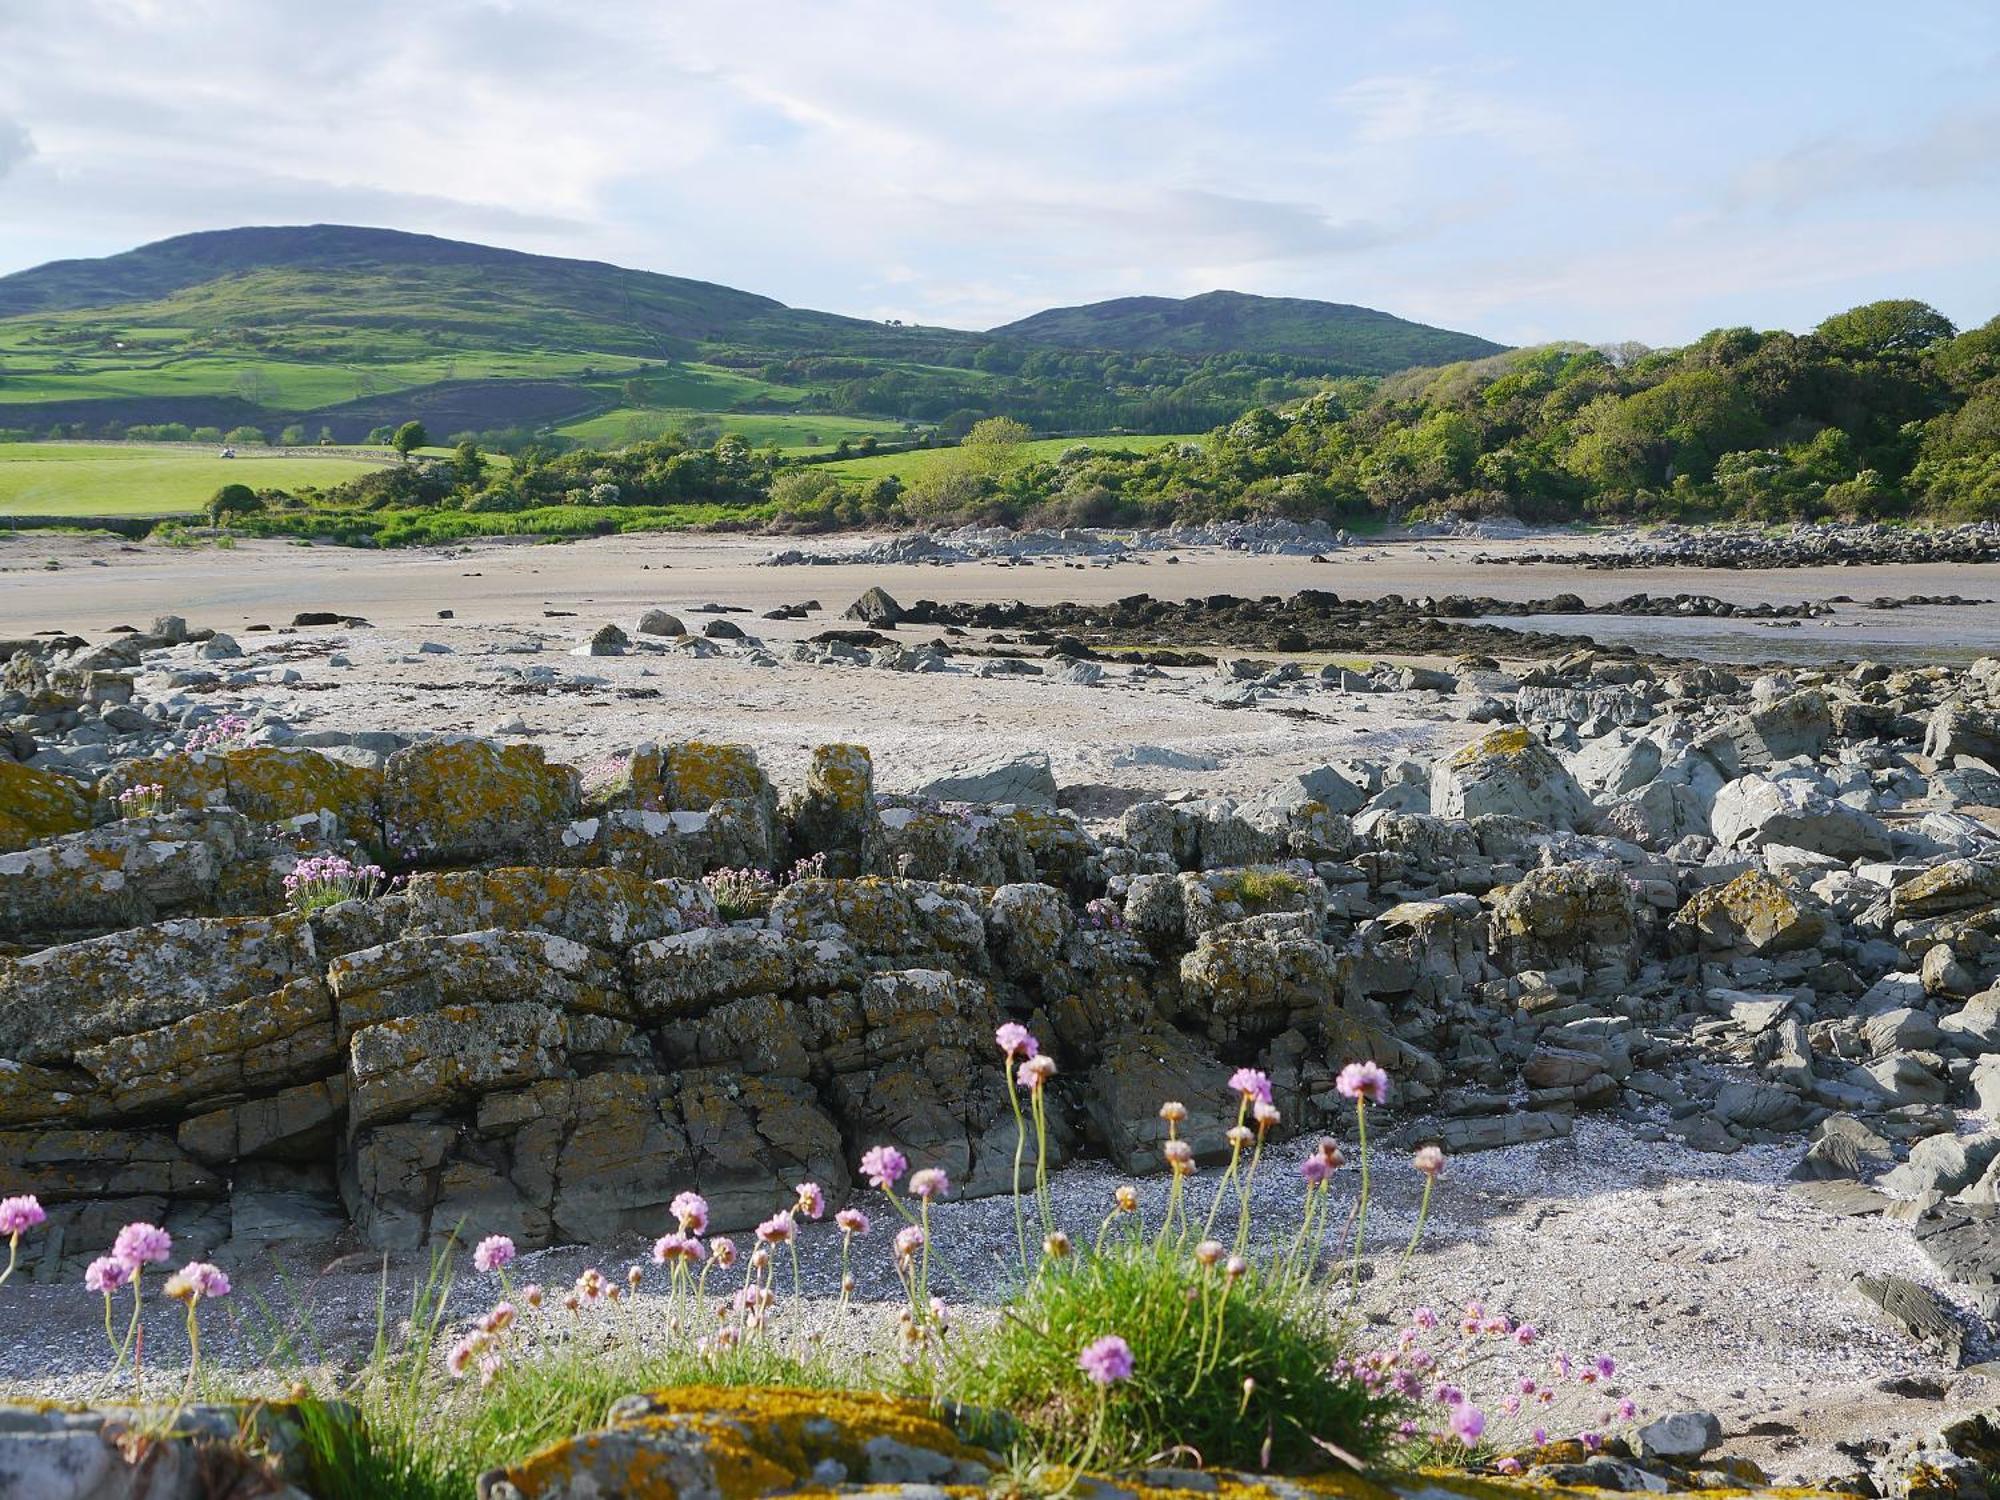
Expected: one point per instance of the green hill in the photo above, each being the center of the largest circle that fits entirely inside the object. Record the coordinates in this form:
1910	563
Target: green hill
1359	340
339	330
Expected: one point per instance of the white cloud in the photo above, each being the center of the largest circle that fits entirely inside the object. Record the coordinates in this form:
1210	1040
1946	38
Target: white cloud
16	145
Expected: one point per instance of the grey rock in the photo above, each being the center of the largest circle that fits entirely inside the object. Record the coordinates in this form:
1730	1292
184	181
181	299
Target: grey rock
1682	1437
1025	780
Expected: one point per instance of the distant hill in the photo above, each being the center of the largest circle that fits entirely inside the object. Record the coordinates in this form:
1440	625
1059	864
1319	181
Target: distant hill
339	328
1359	339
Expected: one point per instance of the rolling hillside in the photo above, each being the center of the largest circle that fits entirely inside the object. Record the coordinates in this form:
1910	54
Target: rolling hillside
337	329
1359	339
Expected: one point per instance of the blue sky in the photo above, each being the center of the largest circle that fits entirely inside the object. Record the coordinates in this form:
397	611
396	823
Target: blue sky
1523	170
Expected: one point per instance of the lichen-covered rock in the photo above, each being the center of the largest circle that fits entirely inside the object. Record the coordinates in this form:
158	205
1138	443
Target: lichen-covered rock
219	1053
693	776
1100	985
1025	927
1952	886
1064	853
462	801
969	845
450	1056
691	972
1239	988
414	976
1565	914
1433	950
753	1138
1213	900
1140	1071
594	1158
890	923
266	783
1511	772
836	815
294	1124
37	805
123	874
654	845
1753	914
59	1000
746	1443
916	1067
608	909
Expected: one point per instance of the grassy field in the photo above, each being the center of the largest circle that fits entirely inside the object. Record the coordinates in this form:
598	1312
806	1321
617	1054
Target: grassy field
627	424
917	462
146	479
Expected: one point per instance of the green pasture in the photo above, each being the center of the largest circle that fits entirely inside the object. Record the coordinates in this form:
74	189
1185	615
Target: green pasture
146	479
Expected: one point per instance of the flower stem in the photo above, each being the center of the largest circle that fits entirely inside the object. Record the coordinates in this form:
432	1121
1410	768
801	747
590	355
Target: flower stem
1020	1149
1361	1207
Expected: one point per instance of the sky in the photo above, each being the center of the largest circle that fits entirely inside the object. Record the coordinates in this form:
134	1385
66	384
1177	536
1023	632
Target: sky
1526	170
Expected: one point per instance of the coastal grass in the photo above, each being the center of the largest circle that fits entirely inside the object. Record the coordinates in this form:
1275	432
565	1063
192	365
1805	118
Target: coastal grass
147	479
1226	1372
439	527
918	462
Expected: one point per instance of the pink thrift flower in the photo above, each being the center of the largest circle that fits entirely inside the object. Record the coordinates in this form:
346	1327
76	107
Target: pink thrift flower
1527	1333
1251	1084
493	1253
724	1250
690	1211
1315	1170
851	1221
206	1280
1266	1115
107	1274
1424	1318
812	1201
1429	1160
883	1166
777	1229
930	1183
459	1361
1363	1080
909	1240
1509	1466
142	1244
1627	1409
1606	1366
1106	1361
20	1214
684	1249
1014	1038
1468	1424
1036	1072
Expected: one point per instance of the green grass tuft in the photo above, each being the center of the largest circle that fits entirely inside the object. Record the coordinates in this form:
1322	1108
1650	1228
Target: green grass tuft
1187	1395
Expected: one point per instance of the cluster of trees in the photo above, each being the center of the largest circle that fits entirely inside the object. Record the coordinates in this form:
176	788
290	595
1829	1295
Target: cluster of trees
1882	410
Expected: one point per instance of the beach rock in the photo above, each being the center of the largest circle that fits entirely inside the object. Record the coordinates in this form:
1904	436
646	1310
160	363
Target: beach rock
1681	1438
875	608
1753	811
659	622
1509	772
836	817
460	800
1024	780
1563	914
1752	914
38	805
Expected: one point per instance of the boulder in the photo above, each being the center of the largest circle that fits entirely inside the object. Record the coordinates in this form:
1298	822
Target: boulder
1752	914
607	909
659	622
1681	1438
836	816
37	805
462	800
1753	811
1509	772
1565	914
694	775
1024	780
876	608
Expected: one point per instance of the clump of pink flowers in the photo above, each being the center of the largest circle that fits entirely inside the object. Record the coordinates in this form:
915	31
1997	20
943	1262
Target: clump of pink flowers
146	800
218	733
323	880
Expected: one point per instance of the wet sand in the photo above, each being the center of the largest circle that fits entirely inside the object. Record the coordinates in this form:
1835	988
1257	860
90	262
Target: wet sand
99	583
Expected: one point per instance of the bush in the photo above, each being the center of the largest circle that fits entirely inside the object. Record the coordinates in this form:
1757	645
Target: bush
233	500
